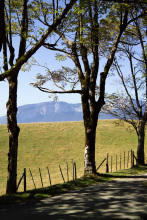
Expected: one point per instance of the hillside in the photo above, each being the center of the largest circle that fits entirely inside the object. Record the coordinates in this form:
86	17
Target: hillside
50	112
51	144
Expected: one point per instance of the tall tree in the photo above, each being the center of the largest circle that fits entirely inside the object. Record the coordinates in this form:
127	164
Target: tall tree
1	23
17	20
131	104
97	27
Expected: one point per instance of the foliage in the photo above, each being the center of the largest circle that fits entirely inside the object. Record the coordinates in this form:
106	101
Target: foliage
89	36
17	22
130	103
80	29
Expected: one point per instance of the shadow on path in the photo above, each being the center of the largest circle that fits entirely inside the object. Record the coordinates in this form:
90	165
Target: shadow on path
117	199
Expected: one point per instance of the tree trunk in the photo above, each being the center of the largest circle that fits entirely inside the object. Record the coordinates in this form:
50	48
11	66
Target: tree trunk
13	130
141	136
89	155
90	117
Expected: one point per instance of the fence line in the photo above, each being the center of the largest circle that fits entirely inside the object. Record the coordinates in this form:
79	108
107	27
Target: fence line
23	176
123	162
113	163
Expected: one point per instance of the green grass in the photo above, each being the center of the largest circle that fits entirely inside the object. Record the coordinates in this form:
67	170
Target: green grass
71	185
51	144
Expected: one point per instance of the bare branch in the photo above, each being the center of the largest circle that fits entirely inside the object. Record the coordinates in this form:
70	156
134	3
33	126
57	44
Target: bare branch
68	42
59	92
2	24
128	43
24	29
135	85
125	87
29	53
127	1
52	47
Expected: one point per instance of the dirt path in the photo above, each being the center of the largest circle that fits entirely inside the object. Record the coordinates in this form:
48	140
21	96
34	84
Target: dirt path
117	199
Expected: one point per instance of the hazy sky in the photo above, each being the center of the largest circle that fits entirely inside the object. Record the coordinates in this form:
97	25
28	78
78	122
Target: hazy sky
29	95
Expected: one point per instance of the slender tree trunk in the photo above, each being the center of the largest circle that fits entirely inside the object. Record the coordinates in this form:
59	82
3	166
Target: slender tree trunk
141	137
89	154
13	130
90	117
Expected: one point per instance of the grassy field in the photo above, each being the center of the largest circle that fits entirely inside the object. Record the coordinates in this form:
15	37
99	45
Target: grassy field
79	183
51	144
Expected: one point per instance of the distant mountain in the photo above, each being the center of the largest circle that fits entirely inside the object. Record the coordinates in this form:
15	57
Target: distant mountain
50	112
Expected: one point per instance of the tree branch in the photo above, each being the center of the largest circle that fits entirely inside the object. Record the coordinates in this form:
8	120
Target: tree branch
24	29
59	92
29	53
48	46
135	86
110	60
2	24
125	87
127	1
68	42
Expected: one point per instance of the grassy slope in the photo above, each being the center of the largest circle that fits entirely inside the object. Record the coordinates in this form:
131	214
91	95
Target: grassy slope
82	182
51	144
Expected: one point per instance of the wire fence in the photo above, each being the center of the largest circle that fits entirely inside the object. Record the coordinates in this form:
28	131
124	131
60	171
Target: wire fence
43	177
125	160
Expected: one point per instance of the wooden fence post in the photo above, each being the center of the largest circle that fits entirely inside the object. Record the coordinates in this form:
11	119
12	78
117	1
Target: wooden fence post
133	158
73	169
116	162
22	176
25	183
62	174
107	166
111	164
49	176
120	161
128	160
32	178
67	172
41	177
101	164
124	159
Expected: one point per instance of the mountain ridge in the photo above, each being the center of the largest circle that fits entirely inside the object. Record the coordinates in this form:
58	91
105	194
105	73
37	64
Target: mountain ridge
50	112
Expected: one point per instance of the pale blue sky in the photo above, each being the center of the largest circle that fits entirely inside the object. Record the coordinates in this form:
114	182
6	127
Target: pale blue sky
29	95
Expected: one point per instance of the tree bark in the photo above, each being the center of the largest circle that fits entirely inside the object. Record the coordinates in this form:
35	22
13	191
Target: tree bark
13	130
2	23
39	43
90	117
89	154
141	136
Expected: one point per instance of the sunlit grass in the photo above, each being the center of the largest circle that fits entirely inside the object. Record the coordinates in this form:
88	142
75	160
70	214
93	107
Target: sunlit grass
71	185
51	144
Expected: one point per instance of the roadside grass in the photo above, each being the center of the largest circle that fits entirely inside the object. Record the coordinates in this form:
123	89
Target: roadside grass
79	183
51	144
135	170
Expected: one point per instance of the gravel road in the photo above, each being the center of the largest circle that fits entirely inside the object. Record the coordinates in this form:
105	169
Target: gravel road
118	199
